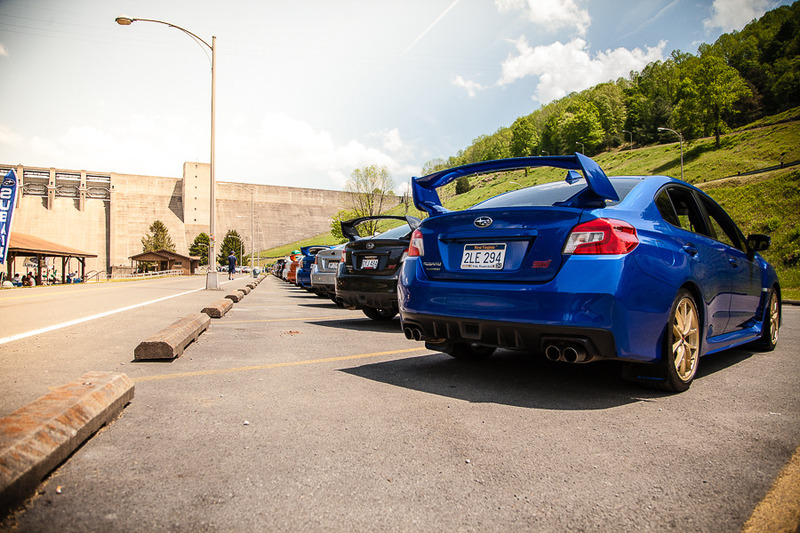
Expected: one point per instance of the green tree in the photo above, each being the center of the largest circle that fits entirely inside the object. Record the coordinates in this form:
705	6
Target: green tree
524	138
710	88
232	243
199	247
158	238
336	223
463	185
609	99
580	124
434	165
370	189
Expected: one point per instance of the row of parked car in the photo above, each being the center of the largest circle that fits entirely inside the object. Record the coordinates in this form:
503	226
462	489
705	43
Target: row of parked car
360	274
649	271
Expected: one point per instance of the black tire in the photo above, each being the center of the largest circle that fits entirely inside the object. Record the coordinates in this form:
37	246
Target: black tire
772	322
469	351
681	353
380	314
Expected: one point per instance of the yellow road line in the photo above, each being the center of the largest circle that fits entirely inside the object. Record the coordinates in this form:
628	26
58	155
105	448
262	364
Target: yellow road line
779	511
286	364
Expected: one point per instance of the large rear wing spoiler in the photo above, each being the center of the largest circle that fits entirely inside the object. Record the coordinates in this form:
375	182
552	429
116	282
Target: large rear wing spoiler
313	249
349	227
598	185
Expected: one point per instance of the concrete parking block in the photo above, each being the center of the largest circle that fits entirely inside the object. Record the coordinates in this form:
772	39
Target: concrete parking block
38	437
219	308
245	289
251	285
170	342
235	296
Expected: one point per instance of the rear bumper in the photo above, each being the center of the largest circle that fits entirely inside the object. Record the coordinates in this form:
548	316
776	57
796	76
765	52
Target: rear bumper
379	292
597	343
614	312
323	282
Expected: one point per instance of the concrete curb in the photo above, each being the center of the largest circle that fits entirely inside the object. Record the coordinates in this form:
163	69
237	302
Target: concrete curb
170	342
38	437
219	308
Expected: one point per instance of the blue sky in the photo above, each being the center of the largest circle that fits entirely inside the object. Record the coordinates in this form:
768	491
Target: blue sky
307	91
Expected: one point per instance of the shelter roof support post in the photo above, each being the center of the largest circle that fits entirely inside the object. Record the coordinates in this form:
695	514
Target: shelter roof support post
82	261
63	270
39	261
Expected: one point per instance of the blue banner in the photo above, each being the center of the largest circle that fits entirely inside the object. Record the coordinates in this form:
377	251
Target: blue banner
8	197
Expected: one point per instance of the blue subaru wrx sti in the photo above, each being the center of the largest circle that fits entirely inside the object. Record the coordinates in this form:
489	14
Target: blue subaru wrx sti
645	270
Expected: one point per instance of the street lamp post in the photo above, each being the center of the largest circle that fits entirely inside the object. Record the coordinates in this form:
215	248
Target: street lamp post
252	221
583	148
681	138
212	278
630	146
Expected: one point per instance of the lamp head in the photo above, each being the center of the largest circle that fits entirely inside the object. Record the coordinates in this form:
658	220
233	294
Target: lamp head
124	21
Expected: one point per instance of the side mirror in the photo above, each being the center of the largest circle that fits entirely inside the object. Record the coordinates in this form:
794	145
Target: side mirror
758	242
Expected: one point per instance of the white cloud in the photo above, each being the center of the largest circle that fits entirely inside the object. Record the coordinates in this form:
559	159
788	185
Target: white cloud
3	51
471	86
403	188
290	151
128	147
550	14
564	68
730	15
392	140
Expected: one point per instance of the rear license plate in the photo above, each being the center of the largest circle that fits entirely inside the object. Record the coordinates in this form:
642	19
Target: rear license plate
483	256
369	263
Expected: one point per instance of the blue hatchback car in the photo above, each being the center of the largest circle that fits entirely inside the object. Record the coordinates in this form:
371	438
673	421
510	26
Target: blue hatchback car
645	270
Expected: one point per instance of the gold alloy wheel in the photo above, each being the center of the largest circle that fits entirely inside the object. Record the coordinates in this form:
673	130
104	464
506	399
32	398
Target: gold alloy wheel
774	318
685	340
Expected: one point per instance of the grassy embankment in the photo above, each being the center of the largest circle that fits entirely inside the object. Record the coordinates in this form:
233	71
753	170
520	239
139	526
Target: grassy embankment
762	203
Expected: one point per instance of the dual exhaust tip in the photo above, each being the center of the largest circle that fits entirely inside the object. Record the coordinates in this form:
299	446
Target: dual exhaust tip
566	353
412	333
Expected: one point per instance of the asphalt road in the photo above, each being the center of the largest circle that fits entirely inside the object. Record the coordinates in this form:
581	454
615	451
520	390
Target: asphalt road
290	414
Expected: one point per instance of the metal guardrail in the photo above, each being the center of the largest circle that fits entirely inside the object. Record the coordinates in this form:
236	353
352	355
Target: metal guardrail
767	169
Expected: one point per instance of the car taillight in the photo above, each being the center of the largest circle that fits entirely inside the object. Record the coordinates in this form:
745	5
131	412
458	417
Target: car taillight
415	247
344	256
602	236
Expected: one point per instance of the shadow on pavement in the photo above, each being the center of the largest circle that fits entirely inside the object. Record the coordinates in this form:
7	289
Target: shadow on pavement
363	324
525	380
711	364
321	305
511	378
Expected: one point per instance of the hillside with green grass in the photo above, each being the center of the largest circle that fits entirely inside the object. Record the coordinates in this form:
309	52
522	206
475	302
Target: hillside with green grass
761	203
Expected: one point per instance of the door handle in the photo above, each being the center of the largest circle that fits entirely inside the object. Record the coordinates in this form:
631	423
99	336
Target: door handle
690	249
734	262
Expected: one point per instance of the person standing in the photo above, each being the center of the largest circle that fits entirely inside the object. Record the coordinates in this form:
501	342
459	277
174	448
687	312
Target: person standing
231	265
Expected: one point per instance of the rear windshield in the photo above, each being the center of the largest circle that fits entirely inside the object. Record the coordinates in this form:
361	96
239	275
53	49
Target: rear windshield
550	194
395	233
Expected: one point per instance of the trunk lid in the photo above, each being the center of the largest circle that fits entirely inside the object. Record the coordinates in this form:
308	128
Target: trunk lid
511	244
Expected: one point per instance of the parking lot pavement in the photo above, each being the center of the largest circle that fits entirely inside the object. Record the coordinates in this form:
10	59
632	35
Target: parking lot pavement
291	414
